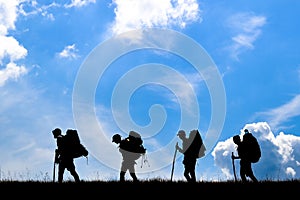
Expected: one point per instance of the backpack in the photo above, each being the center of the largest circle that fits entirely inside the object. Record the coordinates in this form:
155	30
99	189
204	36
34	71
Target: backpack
253	152
73	145
197	148
133	143
136	142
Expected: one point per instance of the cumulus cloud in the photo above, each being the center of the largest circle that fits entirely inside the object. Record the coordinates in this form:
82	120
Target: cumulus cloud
134	14
10	49
246	28
69	51
12	71
8	15
280	154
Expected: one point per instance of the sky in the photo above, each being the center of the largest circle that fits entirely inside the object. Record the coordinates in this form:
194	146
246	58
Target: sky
152	66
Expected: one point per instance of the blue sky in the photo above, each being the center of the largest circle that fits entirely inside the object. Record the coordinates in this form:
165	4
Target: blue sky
106	67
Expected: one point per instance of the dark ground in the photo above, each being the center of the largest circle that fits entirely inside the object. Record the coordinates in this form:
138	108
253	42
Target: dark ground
151	190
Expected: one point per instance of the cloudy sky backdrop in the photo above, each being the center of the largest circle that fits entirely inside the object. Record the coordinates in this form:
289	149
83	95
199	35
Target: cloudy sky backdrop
253	52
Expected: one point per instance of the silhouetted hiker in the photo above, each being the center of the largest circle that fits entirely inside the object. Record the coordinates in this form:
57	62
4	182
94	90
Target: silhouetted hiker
189	158
245	163
63	157
129	158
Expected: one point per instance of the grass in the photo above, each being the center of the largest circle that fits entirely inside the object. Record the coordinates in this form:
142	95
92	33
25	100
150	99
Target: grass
156	188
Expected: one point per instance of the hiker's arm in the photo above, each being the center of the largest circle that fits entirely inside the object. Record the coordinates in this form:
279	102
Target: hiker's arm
178	148
56	159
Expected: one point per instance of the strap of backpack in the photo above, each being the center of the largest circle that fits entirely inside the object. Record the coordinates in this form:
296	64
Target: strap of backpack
144	160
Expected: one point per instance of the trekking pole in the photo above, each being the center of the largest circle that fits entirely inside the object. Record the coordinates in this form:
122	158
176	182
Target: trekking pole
54	172
173	164
55	157
233	166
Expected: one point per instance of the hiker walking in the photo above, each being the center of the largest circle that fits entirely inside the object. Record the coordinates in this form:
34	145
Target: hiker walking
63	156
129	157
190	154
243	155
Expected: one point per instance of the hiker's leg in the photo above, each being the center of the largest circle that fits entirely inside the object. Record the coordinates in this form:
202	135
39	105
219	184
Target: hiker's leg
132	172
186	170
251	175
123	170
243	171
186	173
192	171
75	175
193	176
135	179
248	171
189	171
243	177
61	170
122	176
73	172
253	178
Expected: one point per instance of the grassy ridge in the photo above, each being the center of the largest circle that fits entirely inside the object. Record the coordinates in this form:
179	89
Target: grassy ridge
154	189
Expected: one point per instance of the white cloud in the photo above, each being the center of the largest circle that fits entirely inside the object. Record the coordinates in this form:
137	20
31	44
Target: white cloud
134	14
69	52
79	3
10	49
280	154
290	171
33	8
27	8
283	113
12	71
8	15
247	28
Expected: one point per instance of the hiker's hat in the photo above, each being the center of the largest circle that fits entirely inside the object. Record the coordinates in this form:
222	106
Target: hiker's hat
56	132
236	138
181	133
116	137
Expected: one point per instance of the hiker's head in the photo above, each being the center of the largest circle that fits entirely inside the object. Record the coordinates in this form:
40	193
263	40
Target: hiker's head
56	132
181	134
116	138
236	139
246	131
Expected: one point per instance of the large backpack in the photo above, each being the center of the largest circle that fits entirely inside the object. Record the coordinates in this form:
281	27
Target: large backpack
196	148
73	145
253	152
133	143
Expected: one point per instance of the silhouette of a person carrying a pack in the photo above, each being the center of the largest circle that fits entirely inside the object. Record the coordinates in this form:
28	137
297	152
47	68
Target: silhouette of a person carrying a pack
63	156
129	158
190	157
245	163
